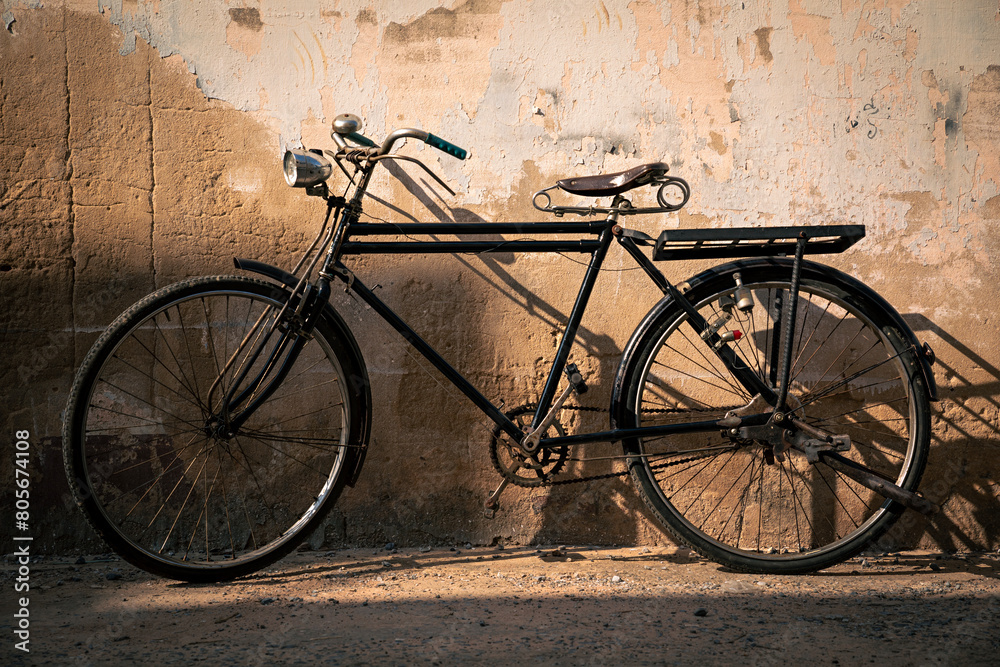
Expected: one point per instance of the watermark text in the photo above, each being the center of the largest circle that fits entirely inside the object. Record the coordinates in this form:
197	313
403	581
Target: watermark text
22	540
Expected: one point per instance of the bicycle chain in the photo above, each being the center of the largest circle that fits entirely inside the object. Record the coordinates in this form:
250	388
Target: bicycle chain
611	475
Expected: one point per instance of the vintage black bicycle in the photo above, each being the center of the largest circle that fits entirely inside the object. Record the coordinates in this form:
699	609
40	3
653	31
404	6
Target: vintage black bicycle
773	412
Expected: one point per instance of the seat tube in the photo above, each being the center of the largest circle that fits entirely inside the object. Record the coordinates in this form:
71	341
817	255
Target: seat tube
569	335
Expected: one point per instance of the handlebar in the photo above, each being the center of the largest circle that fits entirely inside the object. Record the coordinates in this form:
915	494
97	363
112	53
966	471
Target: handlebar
426	137
360	139
442	145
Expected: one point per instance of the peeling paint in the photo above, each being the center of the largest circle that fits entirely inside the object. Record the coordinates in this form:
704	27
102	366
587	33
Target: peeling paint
763	40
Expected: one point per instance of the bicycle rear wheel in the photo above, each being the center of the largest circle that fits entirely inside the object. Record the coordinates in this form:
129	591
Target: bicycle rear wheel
853	373
163	485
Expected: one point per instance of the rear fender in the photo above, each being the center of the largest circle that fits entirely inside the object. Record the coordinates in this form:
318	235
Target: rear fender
924	355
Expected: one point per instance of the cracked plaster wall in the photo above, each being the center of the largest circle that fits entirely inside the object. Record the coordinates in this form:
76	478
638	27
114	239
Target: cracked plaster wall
141	144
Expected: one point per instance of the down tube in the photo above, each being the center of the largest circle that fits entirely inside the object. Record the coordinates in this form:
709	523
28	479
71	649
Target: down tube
429	353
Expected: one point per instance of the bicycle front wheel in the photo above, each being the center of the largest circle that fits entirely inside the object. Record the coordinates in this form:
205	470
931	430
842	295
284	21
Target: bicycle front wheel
166	487
853	372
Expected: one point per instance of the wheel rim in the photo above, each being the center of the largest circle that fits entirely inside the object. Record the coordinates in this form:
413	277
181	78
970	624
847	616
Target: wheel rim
170	488
847	378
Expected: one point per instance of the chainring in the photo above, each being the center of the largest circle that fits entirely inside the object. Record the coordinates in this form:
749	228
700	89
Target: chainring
515	465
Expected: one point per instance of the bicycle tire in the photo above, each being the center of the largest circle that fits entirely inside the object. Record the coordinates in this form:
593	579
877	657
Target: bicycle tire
171	494
854	371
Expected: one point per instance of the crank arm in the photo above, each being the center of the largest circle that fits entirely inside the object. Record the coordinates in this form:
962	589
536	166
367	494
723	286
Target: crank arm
531	441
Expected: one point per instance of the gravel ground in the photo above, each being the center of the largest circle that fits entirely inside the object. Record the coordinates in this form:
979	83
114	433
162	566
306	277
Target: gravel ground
558	606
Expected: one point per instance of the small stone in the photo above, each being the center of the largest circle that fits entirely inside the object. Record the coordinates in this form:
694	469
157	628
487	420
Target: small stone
390	546
736	586
701	611
267	600
113	576
81	561
616	579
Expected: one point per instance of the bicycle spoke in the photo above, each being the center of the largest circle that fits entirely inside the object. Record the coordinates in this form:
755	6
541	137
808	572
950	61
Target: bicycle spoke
322	474
182	382
180	510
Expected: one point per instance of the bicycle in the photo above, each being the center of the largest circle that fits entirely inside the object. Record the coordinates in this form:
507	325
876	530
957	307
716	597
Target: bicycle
773	412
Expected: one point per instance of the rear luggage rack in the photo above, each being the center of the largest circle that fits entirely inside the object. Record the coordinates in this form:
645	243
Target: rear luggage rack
754	241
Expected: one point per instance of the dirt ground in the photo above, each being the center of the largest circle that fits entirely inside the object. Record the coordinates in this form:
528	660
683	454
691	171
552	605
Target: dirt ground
553	605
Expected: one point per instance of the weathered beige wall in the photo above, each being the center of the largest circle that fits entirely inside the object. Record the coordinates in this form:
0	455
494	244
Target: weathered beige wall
140	143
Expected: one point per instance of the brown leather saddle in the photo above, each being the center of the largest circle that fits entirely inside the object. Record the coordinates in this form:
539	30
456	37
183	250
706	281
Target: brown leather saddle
608	185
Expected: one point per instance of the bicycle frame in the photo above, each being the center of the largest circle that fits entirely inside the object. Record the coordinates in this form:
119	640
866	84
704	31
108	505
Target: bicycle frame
597	239
341	241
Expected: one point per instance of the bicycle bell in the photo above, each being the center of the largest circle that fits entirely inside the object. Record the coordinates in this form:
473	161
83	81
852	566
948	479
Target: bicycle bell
346	123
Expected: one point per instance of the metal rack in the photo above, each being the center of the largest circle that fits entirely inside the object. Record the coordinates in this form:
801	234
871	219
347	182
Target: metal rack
754	241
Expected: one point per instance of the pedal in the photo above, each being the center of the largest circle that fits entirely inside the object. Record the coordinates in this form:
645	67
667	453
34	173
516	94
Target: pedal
575	379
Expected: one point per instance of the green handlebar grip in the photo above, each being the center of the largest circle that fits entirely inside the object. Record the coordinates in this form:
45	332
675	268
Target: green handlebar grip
442	145
361	139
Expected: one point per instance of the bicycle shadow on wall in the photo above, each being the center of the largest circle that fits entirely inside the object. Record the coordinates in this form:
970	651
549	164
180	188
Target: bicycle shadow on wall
568	513
963	471
505	283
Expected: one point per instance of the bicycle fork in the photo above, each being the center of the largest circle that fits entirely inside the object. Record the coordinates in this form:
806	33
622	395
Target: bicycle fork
293	325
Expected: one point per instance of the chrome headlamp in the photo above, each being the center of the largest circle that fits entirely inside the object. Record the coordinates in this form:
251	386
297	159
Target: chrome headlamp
304	168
